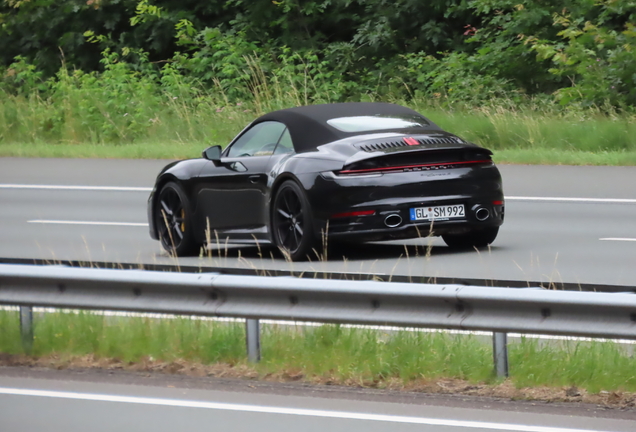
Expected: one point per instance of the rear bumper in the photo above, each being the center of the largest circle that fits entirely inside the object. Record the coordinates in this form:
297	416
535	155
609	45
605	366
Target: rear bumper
374	228
393	195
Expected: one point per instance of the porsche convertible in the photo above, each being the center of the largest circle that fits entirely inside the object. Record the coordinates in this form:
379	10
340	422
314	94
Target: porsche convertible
352	172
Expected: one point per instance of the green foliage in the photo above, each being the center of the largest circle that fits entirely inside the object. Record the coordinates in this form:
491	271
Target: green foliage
455	79
467	52
598	59
23	78
117	71
115	105
219	58
151	108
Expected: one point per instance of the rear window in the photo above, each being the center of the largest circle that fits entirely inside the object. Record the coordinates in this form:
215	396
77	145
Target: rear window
379	122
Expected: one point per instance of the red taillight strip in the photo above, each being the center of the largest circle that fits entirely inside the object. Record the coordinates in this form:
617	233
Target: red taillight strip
397	168
353	214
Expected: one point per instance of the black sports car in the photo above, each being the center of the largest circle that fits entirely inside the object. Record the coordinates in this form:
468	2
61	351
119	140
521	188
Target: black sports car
352	171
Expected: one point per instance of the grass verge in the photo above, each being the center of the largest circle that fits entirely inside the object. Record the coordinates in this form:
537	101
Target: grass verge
550	156
323	354
165	150
177	130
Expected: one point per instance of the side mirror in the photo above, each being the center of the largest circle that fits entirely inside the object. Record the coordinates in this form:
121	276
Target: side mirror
212	153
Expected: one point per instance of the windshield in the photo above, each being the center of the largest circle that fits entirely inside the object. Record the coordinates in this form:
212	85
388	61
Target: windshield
377	122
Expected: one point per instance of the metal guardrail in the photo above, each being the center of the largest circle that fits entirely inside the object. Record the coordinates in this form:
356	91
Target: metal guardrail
327	274
460	307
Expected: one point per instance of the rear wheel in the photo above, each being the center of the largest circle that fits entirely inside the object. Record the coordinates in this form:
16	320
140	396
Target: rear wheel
473	239
292	222
174	222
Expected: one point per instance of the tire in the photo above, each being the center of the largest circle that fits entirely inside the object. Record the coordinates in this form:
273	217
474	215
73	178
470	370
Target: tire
292	222
473	239
174	221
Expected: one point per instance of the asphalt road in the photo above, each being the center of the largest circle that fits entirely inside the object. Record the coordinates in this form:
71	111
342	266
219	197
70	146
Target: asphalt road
32	400
570	224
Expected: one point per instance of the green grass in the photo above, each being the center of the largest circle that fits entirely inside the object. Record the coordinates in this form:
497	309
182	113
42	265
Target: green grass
149	150
175	130
549	156
501	129
364	356
539	156
328	353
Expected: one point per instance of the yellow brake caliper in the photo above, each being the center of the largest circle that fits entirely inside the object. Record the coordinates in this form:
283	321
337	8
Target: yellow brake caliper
183	220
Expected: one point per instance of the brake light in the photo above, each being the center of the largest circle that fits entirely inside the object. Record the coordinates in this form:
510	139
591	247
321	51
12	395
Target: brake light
410	141
497	203
353	214
417	167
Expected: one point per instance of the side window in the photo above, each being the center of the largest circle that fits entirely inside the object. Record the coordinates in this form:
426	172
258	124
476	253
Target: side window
285	145
259	140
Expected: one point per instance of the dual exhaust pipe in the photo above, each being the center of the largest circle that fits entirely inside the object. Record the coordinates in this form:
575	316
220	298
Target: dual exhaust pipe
394	220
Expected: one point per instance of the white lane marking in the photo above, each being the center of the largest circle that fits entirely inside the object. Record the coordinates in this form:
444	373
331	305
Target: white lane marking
286	411
618	239
63	222
82	188
347	272
566	199
147	189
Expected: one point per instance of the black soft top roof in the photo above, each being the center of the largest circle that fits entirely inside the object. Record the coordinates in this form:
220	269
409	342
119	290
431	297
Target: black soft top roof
308	124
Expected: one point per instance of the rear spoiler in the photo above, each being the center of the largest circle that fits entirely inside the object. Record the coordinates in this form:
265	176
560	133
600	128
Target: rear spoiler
415	149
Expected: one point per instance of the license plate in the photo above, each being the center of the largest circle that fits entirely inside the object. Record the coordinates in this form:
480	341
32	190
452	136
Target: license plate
438	212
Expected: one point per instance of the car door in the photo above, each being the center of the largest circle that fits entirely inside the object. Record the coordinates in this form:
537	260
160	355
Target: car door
231	194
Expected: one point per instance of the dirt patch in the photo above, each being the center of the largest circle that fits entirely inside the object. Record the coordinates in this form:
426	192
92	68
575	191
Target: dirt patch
504	390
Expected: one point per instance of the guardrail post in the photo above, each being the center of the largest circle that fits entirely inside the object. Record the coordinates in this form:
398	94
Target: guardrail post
500	353
253	340
26	328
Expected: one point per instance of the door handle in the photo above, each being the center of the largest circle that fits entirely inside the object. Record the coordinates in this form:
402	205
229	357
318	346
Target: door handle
254	178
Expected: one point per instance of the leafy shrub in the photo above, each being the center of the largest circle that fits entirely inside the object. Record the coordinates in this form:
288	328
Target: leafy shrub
455	78
599	62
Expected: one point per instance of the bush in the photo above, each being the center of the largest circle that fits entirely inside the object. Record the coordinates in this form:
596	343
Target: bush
579	51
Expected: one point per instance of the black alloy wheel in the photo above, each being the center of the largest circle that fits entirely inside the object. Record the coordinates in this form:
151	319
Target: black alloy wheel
173	221
473	239
292	223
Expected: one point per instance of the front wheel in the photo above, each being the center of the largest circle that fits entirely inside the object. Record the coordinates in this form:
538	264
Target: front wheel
174	222
473	239
292	221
